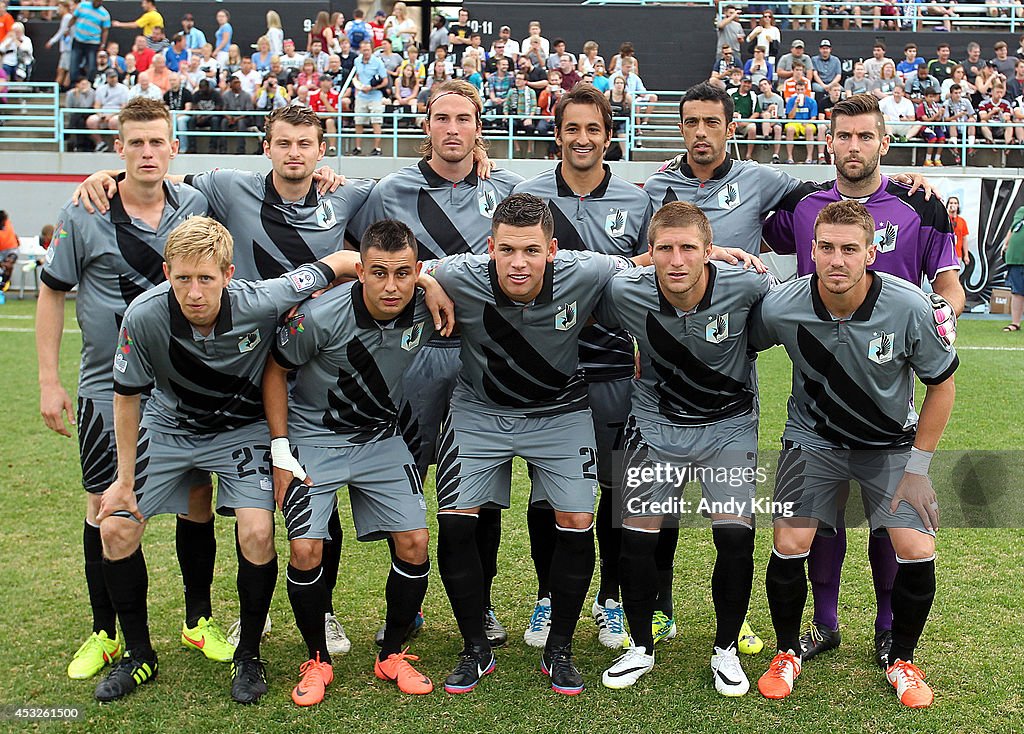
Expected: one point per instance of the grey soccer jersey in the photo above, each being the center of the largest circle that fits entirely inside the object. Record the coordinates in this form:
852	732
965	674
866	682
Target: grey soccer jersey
447	218
694	367
112	258
735	199
523	360
206	384
611	219
853	386
348	387
273	236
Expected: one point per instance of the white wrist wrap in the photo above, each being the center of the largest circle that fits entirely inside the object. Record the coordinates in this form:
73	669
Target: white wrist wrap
281	457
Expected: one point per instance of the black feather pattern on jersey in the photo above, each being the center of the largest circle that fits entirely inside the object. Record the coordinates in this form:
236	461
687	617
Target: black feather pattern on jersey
364	408
139	255
409	427
690	392
285	237
235	401
95	447
790	476
851	418
669	197
439	227
141	463
521	377
606	354
129	289
567	235
296	510
449	468
266	264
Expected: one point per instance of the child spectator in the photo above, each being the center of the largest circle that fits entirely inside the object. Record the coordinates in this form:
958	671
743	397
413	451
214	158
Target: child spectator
930	112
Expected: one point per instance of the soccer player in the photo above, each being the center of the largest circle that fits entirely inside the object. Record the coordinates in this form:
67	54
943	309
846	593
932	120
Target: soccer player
596	210
350	348
200	342
449	208
521	310
113	258
279	221
856	337
914	240
692	406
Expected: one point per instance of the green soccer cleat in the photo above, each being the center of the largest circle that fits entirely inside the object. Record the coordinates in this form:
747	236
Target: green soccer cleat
748	642
96	653
662	627
209	639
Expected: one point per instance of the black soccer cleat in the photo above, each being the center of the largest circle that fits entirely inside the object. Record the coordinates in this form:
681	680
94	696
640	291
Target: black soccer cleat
818	639
883	643
411	634
565	676
495	631
248	680
474	664
126	675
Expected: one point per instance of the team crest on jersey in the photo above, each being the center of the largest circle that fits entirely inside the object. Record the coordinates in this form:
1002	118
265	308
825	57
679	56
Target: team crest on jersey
565	317
488	202
248	342
615	223
325	215
302	278
885	236
880	348
120	363
411	336
729	196
717	330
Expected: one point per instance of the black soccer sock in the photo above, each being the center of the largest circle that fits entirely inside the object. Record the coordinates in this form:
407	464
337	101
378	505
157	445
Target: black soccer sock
308	595
255	590
731	580
572	568
785	581
128	585
609	548
458	560
404	592
639	583
488	539
912	596
196	546
331	559
103	617
664	561
541	523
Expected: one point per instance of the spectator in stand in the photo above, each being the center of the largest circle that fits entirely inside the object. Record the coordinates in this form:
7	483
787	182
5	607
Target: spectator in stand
301	98
80	96
358	29
789	88
292	60
279	72
194	38
570	77
103	65
347	56
18	56
745	107
160	75
641	97
309	77
146	22
522	103
534	31
828	100
600	79
441	54
886	85
535	52
116	60
400	28
319	57
193	75
272	96
873	66
724	64
536	77
772	108
942	66
223	36
930	112
325	103
370	80
413	59
942	9
234	63
471	73
405	95
377	31
626	50
208	99
886	16
390	59
158	41
557	52
732	81
261	59
143	53
983	83
1004	63
63	40
959	77
179	99
899	114
145	88
918	83
858	83
128	76
960	232
766	35
826	68
499	84
458	35
589	57
6	20
110	98
784	66
237	100
730	32
275	33
337	29
960	113
178	54
907	68
511	46
88	35
320	30
801	109
475	50
1015	84
973	63
621	103
759	67
249	77
547	100
438	34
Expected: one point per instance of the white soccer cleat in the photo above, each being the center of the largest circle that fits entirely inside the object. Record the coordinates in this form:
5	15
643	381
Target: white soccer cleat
628	668
337	641
536	634
235	630
730	680
611	624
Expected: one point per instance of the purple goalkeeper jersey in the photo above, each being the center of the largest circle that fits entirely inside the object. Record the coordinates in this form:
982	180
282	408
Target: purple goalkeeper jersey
914	236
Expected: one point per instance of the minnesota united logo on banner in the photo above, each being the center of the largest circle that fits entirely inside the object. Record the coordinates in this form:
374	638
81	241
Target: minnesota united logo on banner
411	336
325	215
615	223
729	197
717	330
565	317
885	236
880	348
488	203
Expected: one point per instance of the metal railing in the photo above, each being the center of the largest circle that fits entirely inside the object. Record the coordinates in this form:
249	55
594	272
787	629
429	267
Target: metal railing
29	112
